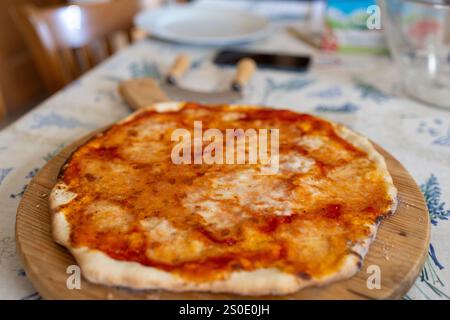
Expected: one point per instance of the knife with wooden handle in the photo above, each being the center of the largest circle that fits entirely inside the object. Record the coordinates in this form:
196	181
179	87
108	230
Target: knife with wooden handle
246	67
142	92
180	66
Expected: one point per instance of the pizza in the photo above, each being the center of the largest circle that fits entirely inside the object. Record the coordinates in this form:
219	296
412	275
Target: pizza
132	217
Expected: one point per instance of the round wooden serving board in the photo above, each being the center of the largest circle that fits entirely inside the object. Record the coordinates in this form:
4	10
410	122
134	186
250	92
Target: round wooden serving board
400	248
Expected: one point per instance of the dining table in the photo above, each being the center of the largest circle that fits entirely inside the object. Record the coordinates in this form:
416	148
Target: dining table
360	91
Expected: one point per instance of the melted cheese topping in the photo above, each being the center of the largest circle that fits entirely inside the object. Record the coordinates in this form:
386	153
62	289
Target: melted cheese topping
204	221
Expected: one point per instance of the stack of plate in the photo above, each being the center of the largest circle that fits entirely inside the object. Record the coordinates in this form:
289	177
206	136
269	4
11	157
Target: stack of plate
203	25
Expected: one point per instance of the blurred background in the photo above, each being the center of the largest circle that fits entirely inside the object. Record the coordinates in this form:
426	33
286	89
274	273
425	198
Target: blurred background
419	37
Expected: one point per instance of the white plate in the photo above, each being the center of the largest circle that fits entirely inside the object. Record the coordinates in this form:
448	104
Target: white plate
202	25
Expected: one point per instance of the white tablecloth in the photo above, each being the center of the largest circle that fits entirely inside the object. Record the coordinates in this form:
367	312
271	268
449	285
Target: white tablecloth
360	92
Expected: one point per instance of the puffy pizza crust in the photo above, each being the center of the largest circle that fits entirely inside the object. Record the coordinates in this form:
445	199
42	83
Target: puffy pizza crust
98	267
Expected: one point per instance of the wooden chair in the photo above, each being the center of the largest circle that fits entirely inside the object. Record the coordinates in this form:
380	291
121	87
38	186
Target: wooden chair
69	40
3	110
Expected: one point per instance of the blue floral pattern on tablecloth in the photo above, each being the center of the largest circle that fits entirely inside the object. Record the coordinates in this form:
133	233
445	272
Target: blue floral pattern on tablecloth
3	173
430	283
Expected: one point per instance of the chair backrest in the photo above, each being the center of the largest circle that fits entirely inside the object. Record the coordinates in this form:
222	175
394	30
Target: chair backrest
69	40
2	106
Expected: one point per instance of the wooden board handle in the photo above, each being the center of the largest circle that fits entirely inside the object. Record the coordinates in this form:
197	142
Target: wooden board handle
141	93
245	69
180	66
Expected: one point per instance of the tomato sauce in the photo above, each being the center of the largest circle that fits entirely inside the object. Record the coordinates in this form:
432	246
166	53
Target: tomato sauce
132	201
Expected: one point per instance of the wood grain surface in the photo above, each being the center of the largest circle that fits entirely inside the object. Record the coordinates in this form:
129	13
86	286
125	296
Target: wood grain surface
400	248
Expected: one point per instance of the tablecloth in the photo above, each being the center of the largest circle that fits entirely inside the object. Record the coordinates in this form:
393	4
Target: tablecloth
361	92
